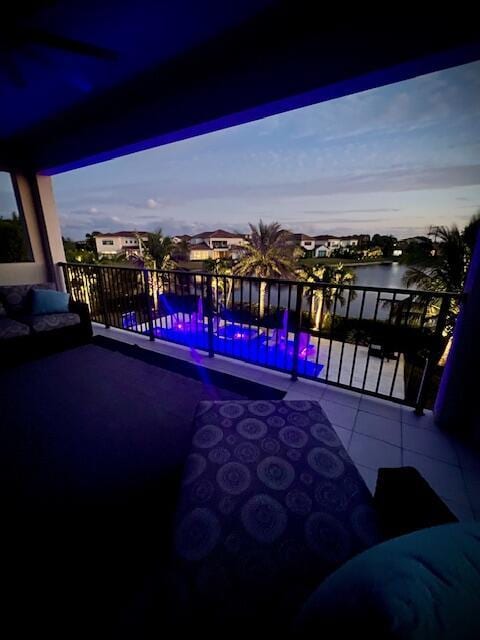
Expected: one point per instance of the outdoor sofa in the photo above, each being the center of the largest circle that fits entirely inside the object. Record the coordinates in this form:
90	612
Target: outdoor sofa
25	335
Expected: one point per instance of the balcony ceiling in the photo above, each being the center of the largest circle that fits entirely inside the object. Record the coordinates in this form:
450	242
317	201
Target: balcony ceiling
86	81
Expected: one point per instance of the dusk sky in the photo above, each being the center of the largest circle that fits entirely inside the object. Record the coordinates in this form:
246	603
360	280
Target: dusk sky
391	160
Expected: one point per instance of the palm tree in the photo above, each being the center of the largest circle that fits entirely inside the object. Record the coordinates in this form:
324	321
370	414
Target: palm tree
156	254
220	267
181	250
324	297
158	250
470	233
444	270
269	255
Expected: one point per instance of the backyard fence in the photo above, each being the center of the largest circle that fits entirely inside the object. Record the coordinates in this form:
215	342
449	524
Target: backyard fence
380	341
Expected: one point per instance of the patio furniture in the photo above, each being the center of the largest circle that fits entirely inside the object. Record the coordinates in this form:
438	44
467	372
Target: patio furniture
24	335
271	503
421	585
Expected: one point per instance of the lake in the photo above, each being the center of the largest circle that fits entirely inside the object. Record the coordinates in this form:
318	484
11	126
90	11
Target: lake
378	275
372	275
375	275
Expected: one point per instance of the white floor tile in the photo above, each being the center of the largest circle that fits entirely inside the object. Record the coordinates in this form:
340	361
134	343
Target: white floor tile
380	407
369	476
426	421
374	453
341	396
297	395
379	427
444	478
430	443
339	413
345	435
315	390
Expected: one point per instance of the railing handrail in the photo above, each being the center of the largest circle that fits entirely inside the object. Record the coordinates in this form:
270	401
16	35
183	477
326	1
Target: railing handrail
304	283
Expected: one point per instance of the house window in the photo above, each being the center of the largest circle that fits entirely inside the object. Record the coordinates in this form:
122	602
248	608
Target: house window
14	240
110	242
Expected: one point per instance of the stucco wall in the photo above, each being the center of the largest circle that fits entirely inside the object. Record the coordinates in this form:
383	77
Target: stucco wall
35	271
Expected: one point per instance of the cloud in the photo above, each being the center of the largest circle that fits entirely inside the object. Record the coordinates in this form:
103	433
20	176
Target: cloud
332	164
349	211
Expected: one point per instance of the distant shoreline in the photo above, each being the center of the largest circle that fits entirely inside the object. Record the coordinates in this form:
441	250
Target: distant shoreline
310	262
384	263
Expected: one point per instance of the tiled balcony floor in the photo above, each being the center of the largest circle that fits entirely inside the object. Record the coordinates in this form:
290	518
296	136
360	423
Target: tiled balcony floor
376	433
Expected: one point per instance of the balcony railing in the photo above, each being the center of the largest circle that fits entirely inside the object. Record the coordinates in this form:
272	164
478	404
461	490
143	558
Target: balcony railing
380	341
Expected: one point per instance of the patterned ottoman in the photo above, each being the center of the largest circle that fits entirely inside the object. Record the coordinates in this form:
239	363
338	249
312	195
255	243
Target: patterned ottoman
270	504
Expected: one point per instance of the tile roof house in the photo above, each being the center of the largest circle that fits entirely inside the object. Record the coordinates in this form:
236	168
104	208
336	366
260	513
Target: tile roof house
112	244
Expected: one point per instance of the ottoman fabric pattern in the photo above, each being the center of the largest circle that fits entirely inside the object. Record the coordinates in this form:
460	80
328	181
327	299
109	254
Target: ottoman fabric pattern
271	503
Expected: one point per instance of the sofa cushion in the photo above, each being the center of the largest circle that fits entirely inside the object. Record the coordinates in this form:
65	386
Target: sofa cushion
51	321
45	301
270	504
12	329
15	298
422	585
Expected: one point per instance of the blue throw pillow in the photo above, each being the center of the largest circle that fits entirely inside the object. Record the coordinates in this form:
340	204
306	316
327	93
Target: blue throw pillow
45	301
421	586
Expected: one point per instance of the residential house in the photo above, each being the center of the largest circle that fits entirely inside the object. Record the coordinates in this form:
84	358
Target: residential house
349	241
202	251
182	238
325	245
119	242
306	242
216	244
322	251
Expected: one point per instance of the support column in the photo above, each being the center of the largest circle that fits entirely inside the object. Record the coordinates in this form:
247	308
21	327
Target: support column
457	407
49	225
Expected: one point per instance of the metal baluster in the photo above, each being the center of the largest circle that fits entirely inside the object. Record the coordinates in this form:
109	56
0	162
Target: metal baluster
250	318
368	352
267	322
242	342
280	320
357	340
332	323
103	301
289	307
383	354
151	334
430	362
297	329
343	342
211	351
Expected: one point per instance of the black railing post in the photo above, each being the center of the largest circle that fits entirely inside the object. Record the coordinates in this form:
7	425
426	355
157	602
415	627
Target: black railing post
211	351
297	326
66	277
432	357
103	298
151	333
